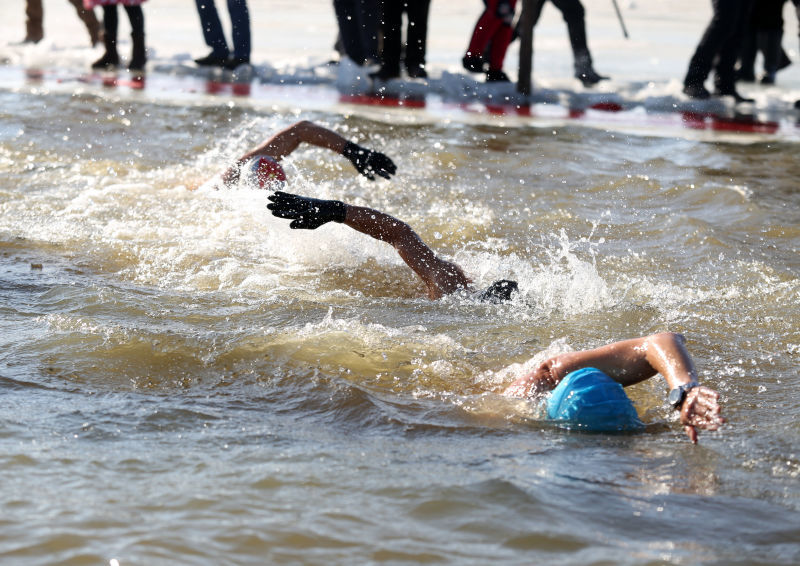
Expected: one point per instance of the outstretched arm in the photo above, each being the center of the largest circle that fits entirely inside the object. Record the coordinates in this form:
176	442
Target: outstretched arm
369	163
629	362
441	277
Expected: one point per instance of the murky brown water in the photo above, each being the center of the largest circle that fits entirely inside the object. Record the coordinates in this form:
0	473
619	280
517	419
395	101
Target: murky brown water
183	376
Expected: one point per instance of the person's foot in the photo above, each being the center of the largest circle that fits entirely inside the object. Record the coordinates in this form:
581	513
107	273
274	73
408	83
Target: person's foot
473	63
783	61
696	92
233	62
746	76
212	60
797	104
731	91
768	79
384	74
417	72
590	77
108	61
496	76
137	65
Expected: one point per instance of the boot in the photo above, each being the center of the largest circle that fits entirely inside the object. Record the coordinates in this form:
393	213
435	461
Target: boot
110	59
584	71
472	63
729	89
784	60
496	76
138	54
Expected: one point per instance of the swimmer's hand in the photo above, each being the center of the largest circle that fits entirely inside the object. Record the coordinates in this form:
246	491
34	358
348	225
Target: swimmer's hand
369	163
700	410
306	213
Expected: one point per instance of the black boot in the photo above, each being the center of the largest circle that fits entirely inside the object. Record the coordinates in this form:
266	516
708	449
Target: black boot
138	54
696	91
584	70
496	76
472	63
110	59
730	90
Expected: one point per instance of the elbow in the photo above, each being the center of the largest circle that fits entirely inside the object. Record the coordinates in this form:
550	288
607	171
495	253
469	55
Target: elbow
668	336
663	340
298	128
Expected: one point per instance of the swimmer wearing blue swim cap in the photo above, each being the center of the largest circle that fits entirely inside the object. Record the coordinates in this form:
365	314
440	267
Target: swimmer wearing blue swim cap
586	385
441	277
369	163
587	399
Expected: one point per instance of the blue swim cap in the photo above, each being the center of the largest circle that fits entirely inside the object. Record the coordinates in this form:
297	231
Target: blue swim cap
588	399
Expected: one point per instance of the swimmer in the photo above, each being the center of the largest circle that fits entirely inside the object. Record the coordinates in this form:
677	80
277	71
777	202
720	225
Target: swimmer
367	162
441	277
632	361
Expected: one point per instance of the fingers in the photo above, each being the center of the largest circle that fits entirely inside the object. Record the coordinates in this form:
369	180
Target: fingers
701	410
691	432
283	213
378	164
390	166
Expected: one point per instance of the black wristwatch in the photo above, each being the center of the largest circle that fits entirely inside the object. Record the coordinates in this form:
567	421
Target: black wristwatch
677	395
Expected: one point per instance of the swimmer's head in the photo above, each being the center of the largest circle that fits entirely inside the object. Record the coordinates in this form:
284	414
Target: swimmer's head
499	292
587	399
263	172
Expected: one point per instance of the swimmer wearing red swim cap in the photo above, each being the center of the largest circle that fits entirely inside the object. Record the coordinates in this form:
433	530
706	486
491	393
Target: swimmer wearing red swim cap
269	154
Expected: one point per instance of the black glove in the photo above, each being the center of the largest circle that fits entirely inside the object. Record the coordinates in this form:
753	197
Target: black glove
307	213
369	163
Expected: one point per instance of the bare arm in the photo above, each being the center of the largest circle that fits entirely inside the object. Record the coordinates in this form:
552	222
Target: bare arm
629	362
285	142
441	277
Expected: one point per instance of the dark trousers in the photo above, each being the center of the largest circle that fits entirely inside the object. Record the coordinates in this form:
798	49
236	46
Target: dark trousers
416	33
35	14
358	28
212	27
111	21
720	45
493	28
575	17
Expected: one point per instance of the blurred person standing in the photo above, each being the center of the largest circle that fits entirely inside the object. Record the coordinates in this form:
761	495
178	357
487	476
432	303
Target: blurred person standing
110	59
719	50
358	22
574	15
34	16
214	37
493	32
416	12
765	34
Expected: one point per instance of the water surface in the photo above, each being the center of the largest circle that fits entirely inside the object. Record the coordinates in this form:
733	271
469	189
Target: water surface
184	379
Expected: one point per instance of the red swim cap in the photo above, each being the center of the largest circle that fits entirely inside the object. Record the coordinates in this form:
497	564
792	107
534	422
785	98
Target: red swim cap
267	171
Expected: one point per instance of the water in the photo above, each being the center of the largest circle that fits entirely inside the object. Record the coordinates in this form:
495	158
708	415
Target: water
184	379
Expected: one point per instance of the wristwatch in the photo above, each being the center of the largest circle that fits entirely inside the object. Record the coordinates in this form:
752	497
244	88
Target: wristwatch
677	395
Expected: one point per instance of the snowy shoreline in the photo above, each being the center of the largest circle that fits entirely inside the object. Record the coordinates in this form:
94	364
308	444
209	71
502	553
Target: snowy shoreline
671	30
